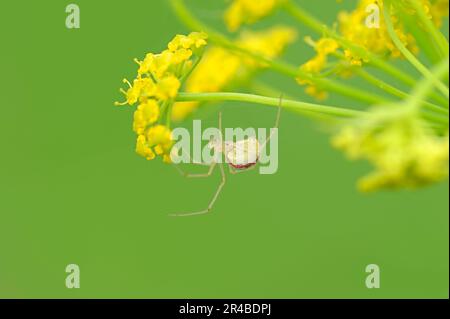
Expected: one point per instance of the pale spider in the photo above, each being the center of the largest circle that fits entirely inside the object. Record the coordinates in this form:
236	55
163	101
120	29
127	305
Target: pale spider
241	156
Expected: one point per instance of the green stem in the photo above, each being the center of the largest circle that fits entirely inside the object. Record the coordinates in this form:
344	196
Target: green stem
389	88
433	119
408	55
396	92
252	98
169	115
278	66
430	50
194	65
261	88
424	87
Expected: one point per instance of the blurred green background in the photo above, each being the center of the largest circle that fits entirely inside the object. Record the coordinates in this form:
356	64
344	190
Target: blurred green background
72	189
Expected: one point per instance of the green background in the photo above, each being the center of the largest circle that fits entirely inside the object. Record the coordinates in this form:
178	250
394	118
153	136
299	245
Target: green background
72	189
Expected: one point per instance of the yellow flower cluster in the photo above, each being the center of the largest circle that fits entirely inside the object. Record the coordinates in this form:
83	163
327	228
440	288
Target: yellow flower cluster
377	40
401	148
248	11
353	28
155	88
158	139
324	47
211	75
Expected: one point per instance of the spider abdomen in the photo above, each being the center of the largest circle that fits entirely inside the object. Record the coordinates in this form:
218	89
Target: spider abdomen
243	154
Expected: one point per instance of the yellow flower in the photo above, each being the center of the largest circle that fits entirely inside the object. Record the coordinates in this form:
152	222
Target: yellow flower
181	110
146	64
326	46
143	149
199	39
146	114
159	135
315	92
270	43
140	87
314	66
353	59
157	141
159	63
193	41
323	48
181	55
211	75
134	92
377	40
160	138
167	88
402	149
180	50
248	11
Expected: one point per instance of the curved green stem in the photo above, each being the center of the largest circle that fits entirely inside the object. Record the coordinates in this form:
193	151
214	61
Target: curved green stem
408	55
252	98
278	66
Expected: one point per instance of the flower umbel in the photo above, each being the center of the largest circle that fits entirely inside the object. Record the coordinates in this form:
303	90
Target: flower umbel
403	149
377	40
159	78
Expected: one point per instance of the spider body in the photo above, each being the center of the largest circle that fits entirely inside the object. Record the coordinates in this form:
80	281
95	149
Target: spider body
241	154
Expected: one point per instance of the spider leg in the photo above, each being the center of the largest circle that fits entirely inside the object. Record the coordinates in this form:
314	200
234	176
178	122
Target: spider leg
190	175
185	174
210	171
213	200
277	123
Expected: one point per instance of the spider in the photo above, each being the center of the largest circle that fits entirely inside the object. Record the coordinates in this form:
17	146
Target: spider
240	156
